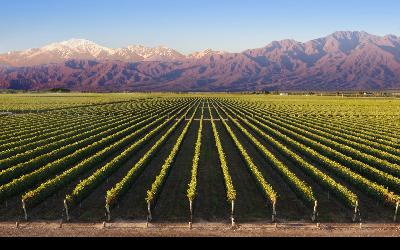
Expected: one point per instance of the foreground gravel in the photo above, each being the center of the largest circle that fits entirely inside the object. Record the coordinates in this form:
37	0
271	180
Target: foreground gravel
139	229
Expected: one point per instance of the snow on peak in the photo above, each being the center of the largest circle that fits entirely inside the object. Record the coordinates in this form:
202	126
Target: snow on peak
207	52
77	46
160	51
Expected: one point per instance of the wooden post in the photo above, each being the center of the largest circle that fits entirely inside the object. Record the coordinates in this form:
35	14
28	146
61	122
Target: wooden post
273	211
108	212
395	213
232	214
191	210
149	210
314	216
355	212
24	208
232	207
233	222
66	209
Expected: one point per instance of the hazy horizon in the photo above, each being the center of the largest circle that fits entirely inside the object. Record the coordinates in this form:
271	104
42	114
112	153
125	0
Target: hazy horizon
189	26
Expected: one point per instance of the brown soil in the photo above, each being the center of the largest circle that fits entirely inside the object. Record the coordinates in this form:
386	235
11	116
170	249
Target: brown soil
210	203
172	203
138	229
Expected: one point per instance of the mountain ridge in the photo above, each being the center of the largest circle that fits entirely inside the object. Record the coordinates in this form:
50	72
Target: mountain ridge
82	49
342	60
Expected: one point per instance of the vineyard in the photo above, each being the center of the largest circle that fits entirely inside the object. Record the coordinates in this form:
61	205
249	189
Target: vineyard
199	157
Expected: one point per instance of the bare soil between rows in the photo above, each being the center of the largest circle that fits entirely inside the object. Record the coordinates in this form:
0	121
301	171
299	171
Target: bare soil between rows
218	229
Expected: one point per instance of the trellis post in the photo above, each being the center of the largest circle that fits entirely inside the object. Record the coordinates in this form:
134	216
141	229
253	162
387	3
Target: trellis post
149	217
314	216
232	214
108	212
66	209
24	208
191	210
356	211
273	211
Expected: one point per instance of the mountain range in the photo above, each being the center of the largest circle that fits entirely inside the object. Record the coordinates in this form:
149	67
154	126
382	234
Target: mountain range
346	60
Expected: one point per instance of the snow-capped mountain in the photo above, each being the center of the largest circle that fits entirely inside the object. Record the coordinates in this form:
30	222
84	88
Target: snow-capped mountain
81	49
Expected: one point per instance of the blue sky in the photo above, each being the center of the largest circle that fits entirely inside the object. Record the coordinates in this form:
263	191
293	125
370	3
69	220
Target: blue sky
189	25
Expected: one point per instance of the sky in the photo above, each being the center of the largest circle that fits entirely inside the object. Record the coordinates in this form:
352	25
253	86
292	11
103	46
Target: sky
189	25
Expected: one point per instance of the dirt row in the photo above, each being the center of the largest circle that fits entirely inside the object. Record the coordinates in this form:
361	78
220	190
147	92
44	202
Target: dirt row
139	229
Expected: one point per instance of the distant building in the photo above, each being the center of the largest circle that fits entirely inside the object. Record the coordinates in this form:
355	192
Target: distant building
284	94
